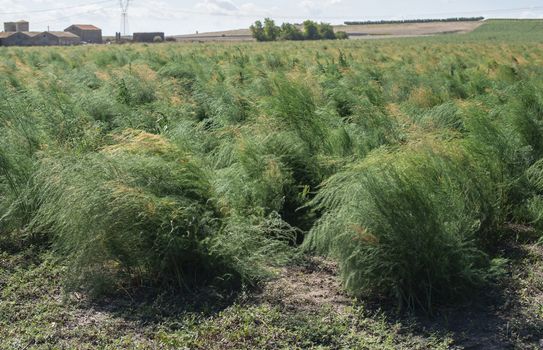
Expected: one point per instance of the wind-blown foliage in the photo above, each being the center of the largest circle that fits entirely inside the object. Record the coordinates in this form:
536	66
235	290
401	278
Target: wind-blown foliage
143	210
407	161
405	224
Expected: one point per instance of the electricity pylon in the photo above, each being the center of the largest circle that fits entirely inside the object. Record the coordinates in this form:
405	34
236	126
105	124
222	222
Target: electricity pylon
124	16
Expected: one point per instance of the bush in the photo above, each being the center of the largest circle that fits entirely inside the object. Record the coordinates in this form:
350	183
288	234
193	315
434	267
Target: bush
133	91
142	212
21	137
340	35
405	225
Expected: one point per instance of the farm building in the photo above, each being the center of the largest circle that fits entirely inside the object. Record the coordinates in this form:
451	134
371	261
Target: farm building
55	38
87	32
38	38
3	36
148	37
18	34
16	38
19	26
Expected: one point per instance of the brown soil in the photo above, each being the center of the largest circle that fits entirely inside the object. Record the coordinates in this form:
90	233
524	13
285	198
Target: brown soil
310	287
411	29
506	317
509	316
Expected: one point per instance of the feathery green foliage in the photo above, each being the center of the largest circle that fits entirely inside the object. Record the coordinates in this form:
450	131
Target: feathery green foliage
405	224
405	160
142	211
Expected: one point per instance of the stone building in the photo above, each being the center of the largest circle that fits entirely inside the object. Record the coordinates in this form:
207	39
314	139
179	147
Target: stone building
19	26
87	32
148	37
55	38
16	38
38	38
3	36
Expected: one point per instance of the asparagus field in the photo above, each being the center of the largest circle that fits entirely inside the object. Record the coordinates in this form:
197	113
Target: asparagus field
182	195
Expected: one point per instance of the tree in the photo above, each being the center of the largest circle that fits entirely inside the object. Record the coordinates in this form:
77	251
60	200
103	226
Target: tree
326	31
258	31
291	32
268	31
271	31
311	30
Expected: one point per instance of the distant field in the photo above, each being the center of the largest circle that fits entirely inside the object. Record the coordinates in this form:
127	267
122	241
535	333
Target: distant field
505	29
355	31
410	29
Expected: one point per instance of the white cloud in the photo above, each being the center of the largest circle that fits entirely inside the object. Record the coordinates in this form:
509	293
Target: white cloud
316	7
229	8
217	6
531	14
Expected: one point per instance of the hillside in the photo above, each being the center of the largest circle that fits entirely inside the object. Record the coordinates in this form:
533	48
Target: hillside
355	31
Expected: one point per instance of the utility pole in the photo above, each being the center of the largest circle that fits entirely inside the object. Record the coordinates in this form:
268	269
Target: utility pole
124	16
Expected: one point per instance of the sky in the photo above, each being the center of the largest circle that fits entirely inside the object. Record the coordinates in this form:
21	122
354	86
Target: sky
188	16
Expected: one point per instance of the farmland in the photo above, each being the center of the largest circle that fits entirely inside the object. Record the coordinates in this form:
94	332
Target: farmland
365	31
288	195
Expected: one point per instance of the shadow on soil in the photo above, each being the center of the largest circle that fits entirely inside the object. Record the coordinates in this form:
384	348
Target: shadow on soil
153	306
495	318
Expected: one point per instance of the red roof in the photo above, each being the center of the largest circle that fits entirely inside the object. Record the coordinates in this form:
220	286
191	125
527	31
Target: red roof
86	27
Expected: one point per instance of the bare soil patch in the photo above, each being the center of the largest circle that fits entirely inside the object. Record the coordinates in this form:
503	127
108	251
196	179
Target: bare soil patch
507	317
310	287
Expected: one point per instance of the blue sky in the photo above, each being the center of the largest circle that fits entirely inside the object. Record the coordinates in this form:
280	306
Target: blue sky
186	16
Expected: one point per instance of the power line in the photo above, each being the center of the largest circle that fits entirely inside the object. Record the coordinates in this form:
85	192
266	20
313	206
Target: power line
72	15
281	16
124	15
56	8
125	3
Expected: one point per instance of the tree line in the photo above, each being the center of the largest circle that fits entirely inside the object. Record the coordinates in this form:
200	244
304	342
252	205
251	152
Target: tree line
308	30
453	19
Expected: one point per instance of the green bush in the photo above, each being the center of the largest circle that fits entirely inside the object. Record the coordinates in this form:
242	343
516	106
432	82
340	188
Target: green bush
340	35
21	138
404	225
133	91
142	212
426	151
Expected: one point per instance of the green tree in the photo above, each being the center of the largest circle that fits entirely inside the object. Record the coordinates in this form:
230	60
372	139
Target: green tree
326	31
311	30
291	32
257	31
271	31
